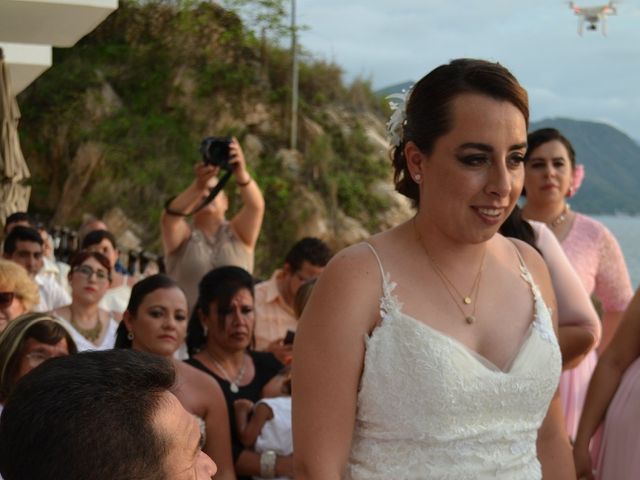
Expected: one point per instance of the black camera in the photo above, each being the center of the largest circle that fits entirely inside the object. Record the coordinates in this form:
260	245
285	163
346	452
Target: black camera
215	152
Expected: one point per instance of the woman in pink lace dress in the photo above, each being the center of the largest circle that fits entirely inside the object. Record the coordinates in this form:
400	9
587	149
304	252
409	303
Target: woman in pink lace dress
614	391
551	176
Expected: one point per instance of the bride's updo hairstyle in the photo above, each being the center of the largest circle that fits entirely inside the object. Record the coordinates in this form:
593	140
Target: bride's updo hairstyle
428	113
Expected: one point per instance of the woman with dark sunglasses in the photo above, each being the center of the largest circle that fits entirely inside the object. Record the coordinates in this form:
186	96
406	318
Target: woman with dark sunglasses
92	328
18	292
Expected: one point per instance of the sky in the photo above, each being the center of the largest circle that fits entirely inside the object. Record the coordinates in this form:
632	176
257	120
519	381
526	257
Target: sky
588	77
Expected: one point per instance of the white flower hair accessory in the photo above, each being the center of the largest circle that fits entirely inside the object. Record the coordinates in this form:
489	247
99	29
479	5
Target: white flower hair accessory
398	104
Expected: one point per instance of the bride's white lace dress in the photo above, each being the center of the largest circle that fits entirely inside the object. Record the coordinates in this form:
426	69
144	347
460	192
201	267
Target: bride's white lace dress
431	408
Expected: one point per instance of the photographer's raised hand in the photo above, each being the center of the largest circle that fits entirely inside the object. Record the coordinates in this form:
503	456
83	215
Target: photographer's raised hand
238	162
204	173
247	222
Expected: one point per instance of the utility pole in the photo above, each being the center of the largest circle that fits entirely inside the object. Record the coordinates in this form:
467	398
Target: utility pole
294	79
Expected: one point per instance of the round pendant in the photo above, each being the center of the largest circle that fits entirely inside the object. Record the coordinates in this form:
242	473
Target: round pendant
470	319
234	388
466	300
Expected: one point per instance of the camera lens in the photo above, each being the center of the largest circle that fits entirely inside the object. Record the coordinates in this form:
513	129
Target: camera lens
215	151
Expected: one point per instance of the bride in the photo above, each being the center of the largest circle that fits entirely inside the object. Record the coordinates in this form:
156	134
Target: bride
430	351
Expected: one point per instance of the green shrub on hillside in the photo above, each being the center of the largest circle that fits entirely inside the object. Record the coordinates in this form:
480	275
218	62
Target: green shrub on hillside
179	71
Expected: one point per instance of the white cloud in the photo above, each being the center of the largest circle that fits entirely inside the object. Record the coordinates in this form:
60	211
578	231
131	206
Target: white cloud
590	77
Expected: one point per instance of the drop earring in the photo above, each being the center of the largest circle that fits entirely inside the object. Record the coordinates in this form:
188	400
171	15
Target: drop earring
130	336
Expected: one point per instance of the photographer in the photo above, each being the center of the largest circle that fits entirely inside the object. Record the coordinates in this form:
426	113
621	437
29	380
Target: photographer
211	241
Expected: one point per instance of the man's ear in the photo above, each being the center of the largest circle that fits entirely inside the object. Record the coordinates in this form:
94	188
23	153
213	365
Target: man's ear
287	268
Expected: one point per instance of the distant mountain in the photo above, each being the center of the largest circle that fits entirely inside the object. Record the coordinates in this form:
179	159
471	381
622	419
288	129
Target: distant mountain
397	88
612	165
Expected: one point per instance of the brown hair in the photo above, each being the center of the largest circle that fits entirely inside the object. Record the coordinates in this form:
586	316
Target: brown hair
428	112
80	257
545	135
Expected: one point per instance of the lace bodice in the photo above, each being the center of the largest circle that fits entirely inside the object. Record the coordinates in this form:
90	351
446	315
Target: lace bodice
431	408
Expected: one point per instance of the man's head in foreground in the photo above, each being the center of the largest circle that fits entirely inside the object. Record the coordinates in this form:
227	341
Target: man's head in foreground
104	415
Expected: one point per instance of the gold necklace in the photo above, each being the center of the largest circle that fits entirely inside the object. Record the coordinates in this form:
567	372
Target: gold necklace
233	384
92	334
448	284
559	220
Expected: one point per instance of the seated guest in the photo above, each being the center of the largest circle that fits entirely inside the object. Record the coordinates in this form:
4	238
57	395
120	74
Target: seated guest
15	219
18	292
220	333
117	297
52	267
28	341
156	322
119	421
92	328
275	297
265	426
24	246
89	225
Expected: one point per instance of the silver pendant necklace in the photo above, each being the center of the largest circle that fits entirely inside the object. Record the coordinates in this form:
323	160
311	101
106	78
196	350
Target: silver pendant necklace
233	384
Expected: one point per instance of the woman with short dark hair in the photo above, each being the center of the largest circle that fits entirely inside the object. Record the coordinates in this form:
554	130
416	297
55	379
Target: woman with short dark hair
92	327
117	296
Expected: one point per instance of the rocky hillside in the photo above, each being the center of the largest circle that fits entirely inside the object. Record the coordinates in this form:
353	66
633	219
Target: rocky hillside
113	129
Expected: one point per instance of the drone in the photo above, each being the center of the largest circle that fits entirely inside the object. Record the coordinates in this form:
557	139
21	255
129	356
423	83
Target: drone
593	15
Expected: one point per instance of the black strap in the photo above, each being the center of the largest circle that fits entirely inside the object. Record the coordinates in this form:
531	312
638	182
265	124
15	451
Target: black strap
214	192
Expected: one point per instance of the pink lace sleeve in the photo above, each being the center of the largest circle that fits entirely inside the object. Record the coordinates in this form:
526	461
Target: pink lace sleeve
574	305
613	286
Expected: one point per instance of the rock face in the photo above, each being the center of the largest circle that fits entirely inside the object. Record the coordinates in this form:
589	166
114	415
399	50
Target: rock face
113	129
84	163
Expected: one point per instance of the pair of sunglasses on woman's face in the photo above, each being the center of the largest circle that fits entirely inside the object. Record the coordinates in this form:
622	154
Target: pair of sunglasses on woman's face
6	298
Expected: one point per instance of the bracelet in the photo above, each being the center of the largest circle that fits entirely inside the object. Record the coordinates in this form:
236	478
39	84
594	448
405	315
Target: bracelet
268	464
245	183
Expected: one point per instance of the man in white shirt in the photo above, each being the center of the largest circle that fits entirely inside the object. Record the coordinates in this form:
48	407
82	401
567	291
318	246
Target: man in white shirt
24	246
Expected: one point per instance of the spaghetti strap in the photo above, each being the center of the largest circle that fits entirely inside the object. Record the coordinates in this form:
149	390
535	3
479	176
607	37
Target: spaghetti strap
388	301
375	254
522	264
526	275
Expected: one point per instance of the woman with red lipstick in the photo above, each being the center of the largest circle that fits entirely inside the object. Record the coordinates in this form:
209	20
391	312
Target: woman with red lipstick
430	350
92	328
155	321
551	174
219	340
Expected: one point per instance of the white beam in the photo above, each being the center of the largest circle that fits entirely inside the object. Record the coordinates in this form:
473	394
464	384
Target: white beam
49	22
25	63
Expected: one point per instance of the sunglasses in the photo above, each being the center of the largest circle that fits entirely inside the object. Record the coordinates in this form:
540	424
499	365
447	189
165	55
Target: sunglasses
6	298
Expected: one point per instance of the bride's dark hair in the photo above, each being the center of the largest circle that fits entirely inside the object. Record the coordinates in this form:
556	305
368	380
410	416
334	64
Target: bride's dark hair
428	113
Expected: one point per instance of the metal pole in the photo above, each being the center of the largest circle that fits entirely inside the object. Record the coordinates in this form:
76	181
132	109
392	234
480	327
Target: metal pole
294	79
